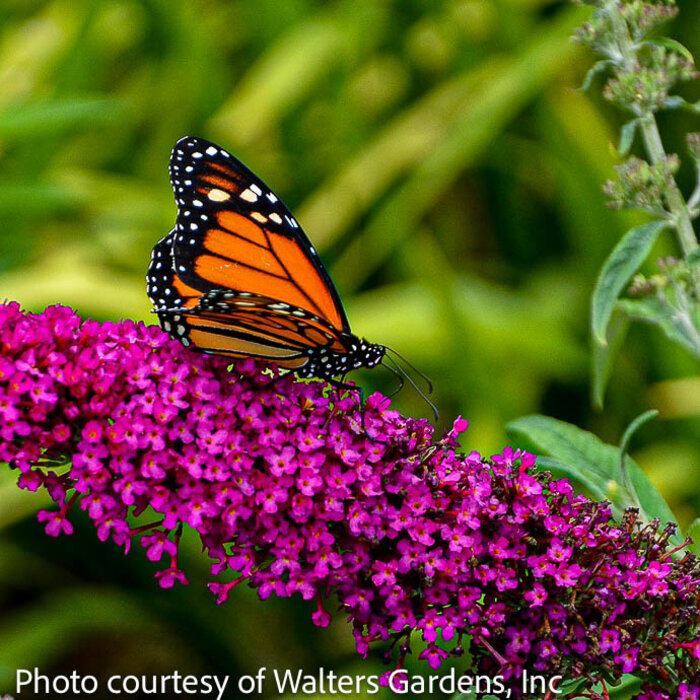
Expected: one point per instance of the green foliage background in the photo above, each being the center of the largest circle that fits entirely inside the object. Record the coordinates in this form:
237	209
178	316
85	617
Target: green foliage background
441	159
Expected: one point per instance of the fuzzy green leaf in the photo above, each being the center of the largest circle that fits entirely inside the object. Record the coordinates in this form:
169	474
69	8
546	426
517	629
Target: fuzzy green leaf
591	482
627	136
668	43
622	263
676	328
677	102
632	428
590	461
598	67
603	356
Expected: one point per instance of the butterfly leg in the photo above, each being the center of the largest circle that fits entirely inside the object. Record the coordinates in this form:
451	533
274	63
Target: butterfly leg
342	386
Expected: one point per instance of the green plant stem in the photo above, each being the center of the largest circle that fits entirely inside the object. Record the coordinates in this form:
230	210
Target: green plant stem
680	215
676	203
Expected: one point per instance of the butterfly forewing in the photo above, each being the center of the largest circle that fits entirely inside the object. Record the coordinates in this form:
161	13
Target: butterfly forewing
234	233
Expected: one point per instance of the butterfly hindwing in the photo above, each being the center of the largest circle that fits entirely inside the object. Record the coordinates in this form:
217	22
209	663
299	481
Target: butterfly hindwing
276	320
233	233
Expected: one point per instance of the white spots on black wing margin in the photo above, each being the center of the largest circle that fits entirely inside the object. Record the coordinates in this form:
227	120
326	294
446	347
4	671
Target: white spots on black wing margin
158	278
217	195
248	195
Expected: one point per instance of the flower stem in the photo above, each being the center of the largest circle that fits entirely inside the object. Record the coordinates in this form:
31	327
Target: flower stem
676	203
680	214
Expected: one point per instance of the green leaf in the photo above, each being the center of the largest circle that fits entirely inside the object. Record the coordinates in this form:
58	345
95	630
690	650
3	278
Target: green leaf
676	328
693	256
677	102
632	428
627	136
590	461
673	45
694	534
603	356
623	689
591	482
598	67
571	685
622	263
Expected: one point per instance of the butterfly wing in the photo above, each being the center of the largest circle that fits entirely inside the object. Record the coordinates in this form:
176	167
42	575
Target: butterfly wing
227	282
233	233
245	325
230	323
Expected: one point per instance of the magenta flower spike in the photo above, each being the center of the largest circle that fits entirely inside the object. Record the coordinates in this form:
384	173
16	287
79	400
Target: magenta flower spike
416	540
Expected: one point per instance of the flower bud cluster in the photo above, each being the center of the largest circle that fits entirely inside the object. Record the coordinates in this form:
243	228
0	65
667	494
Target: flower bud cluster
642	16
643	86
638	18
641	185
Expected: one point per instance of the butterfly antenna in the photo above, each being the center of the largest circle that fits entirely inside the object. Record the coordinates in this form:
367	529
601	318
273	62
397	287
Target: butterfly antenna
414	368
397	374
397	368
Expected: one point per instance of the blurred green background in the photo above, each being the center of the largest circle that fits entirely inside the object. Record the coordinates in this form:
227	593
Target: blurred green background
441	159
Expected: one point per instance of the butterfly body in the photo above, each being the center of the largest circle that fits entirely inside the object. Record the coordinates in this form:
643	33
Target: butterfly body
237	276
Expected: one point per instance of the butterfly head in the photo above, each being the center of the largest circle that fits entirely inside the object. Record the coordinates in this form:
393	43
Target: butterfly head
362	353
369	354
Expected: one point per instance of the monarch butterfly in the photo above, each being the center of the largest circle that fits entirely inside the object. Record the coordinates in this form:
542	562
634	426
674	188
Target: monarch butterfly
237	276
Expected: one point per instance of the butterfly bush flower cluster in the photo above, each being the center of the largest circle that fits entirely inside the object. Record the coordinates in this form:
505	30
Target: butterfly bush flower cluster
290	493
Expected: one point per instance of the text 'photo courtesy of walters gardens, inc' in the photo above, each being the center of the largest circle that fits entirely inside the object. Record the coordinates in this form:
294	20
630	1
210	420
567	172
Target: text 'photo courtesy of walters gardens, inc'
32	682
